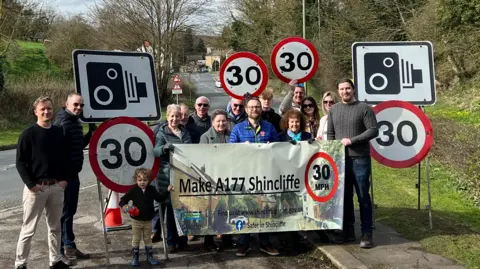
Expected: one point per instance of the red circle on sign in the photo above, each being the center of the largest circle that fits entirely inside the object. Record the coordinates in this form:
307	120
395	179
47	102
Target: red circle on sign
335	177
257	60
285	41
93	151
428	135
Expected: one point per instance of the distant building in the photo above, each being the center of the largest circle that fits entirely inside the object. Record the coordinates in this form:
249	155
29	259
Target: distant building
215	58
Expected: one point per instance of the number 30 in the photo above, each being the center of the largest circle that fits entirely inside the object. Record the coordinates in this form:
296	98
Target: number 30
116	152
401	139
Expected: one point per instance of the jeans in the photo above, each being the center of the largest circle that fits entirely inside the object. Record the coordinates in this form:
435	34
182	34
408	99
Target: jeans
70	204
357	173
172	234
264	239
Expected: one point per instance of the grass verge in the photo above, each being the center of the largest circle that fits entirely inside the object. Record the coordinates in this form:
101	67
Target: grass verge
456	220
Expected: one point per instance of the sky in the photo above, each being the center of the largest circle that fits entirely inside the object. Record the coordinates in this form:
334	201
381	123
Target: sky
72	7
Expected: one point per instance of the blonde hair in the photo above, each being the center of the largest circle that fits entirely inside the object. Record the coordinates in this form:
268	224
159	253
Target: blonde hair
142	173
267	94
327	94
41	99
172	107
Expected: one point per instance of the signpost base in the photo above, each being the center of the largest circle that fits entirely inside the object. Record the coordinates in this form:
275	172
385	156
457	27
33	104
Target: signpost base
107	259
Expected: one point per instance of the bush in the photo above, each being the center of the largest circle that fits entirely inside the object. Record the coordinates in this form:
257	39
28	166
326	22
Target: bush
17	98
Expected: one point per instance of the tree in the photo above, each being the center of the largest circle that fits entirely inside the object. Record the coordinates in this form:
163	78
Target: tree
124	24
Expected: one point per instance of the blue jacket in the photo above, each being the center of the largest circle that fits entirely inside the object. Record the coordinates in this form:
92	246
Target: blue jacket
243	132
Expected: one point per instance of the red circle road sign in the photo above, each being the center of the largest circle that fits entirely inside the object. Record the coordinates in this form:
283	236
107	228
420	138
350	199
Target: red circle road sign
294	58
321	174
405	134
244	72
117	148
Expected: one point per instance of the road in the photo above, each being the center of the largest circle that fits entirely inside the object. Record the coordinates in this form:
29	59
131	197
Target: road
11	187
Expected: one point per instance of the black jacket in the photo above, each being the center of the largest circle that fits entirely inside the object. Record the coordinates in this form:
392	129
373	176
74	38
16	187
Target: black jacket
76	141
196	127
143	201
284	137
272	117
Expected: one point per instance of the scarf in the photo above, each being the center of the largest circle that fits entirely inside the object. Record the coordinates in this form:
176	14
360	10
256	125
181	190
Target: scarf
296	137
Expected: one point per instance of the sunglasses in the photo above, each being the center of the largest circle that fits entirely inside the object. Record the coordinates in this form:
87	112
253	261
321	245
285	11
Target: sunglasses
237	105
204	105
308	105
78	104
329	102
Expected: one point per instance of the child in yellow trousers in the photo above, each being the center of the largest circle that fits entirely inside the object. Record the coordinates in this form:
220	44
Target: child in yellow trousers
142	212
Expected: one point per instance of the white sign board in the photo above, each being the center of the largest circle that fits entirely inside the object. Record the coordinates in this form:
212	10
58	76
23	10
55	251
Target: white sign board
177	89
117	148
115	84
405	134
385	71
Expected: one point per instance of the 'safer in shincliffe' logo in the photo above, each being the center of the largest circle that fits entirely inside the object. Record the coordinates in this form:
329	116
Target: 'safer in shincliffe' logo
239	225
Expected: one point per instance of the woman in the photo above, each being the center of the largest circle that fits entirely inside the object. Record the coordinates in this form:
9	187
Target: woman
312	115
328	100
293	123
217	134
169	133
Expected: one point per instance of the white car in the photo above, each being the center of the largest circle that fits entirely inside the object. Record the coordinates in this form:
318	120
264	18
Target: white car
241	218
218	84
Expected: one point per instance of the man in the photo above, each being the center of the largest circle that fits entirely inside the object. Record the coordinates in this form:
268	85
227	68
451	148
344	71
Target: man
185	114
67	119
42	167
146	47
355	124
236	112
268	113
294	97
199	121
254	130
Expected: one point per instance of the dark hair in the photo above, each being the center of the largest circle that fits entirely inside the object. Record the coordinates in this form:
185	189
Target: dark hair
248	97
292	113
218	112
343	80
316	111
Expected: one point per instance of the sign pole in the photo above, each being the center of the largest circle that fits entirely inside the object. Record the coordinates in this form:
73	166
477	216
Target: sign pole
373	197
162	227
107	258
419	176
427	174
177	98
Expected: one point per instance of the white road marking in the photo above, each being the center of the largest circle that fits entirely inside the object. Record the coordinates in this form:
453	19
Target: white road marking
10	166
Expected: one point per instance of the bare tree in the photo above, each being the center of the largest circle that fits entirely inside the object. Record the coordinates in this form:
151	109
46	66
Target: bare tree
124	24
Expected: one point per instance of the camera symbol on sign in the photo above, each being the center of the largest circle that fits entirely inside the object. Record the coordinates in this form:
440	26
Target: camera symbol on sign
111	87
386	73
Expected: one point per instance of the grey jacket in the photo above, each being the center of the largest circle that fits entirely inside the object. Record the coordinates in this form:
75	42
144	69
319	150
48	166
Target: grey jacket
212	137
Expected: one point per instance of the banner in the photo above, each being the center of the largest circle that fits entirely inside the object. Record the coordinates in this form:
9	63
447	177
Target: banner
251	188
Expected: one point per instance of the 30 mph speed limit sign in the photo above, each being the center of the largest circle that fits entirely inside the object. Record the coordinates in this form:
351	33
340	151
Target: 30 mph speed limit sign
294	58
405	134
244	72
117	148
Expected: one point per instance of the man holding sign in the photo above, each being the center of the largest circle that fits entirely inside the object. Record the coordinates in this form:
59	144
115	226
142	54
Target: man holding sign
355	124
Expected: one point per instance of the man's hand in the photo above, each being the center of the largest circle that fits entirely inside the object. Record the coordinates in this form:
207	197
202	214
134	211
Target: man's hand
319	138
247	142
292	84
37	188
346	142
62	184
170	187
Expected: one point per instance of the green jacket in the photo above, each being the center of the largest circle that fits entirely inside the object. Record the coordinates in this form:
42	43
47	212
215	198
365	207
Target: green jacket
212	137
164	136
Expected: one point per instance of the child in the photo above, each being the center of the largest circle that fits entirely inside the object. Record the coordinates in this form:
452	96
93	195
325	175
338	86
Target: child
142	196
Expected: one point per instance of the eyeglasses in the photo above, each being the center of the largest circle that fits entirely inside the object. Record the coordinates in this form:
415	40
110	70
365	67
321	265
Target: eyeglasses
78	104
204	105
237	105
329	102
307	105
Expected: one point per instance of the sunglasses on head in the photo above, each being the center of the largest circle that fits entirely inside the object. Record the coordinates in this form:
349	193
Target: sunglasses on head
204	105
301	85
238	105
307	105
78	104
329	102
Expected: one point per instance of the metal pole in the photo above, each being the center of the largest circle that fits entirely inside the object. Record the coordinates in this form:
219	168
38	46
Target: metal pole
162	227
427	174
419	176
373	196
107	258
303	22
177	98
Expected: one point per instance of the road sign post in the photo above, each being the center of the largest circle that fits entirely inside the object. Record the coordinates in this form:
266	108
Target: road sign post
115	83
405	138
243	72
403	71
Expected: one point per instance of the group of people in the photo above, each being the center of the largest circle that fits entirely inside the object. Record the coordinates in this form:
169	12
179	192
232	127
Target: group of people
50	170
